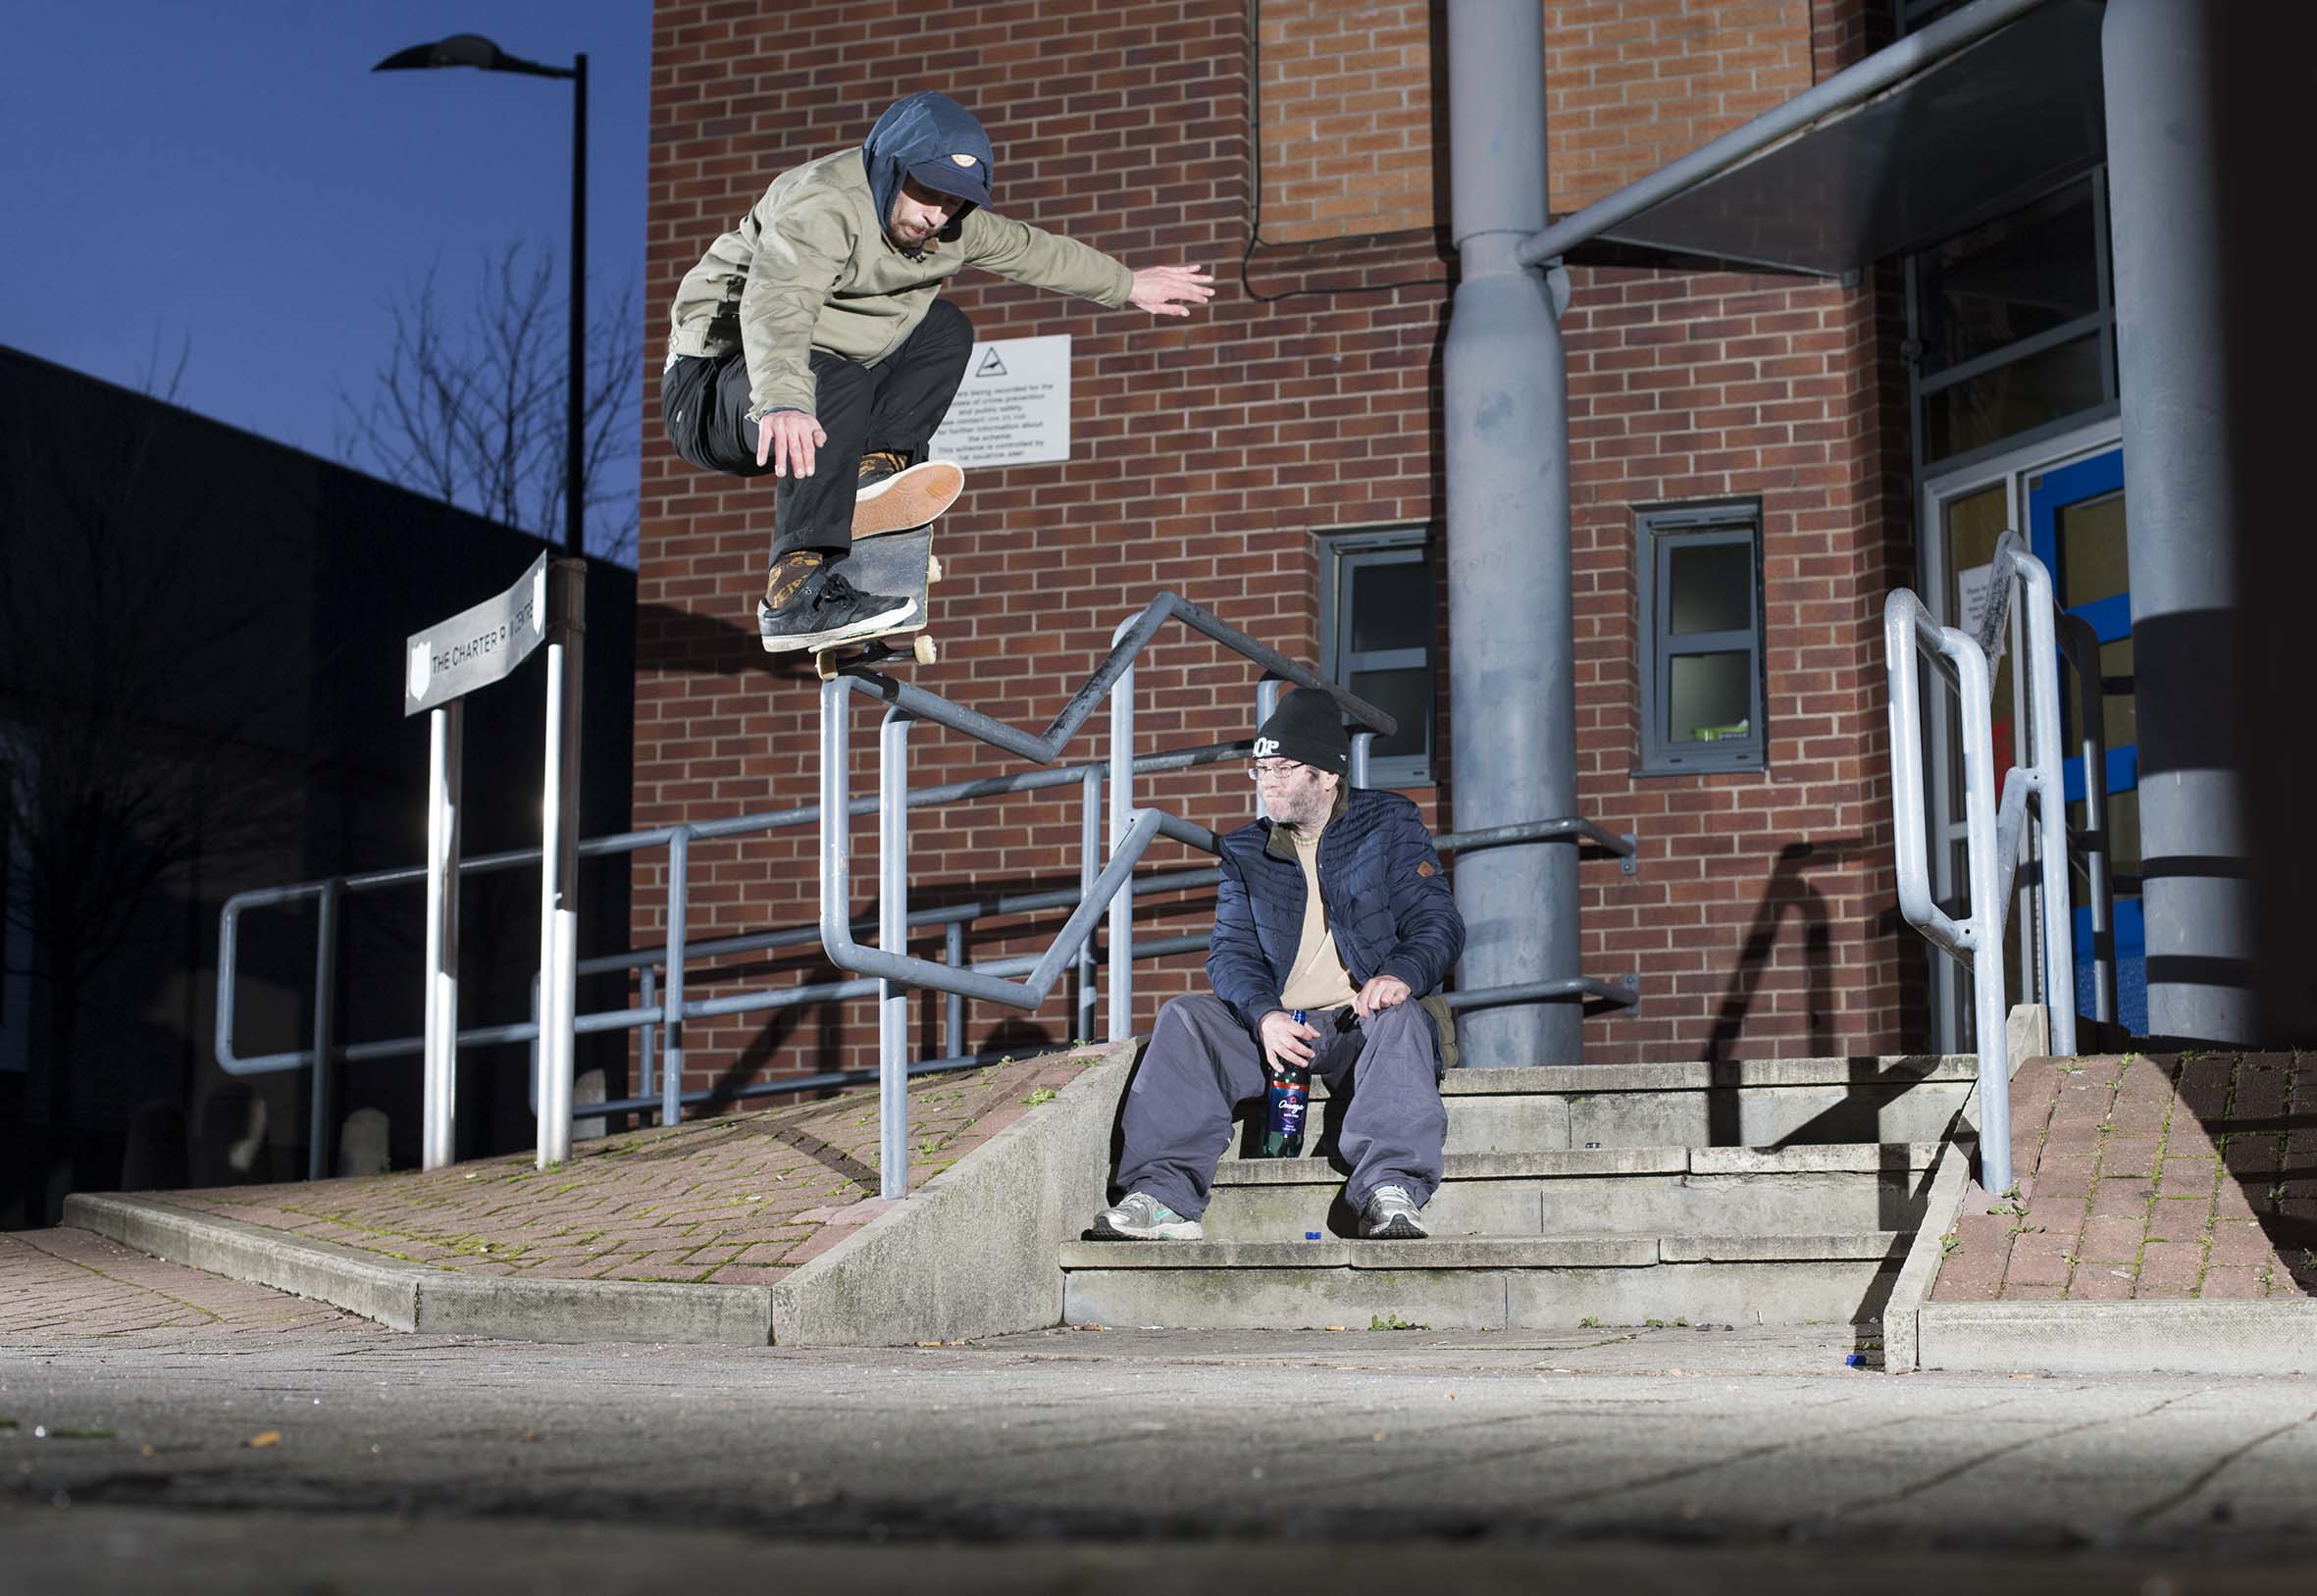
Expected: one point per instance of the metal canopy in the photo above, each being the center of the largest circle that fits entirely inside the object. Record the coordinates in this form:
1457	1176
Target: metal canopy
1973	135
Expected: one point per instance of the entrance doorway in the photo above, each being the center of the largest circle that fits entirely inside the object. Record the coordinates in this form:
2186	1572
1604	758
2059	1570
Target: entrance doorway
2067	494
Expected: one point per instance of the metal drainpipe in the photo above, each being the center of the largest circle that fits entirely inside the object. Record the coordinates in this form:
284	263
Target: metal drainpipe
2172	354
1512	691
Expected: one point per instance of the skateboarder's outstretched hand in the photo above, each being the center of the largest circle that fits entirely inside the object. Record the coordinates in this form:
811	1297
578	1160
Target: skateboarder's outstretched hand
787	439
1159	289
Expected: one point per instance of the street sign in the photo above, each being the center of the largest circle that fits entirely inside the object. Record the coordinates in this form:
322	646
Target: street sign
476	646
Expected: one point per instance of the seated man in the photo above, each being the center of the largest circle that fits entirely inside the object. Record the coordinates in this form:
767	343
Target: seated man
1334	905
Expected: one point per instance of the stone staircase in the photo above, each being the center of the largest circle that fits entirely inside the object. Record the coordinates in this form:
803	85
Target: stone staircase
1776	1191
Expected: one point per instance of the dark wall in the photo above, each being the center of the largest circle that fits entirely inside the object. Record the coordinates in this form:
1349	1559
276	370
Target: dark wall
214	624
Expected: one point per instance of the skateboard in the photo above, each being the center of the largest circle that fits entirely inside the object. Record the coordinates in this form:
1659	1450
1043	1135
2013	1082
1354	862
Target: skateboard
900	562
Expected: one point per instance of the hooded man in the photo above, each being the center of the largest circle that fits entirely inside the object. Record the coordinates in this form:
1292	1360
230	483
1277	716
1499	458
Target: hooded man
1333	904
814	327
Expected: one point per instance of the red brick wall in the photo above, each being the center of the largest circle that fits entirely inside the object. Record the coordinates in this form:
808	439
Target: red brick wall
1347	92
1208	452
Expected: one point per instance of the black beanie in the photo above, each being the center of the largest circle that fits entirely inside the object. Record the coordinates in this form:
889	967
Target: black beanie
1309	729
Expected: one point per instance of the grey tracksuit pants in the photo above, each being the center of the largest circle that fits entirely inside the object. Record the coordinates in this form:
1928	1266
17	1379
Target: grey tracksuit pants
1201	1064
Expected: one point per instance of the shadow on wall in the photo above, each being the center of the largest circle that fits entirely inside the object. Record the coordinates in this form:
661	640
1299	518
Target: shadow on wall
681	640
1787	891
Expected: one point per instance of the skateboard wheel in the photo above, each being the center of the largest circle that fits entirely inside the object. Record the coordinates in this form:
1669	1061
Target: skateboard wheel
925	651
933	568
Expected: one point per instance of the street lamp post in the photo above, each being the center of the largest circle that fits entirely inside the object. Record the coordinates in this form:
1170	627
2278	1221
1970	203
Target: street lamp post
474	50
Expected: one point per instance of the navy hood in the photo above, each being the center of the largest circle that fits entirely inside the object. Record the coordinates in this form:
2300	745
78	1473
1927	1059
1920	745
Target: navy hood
935	141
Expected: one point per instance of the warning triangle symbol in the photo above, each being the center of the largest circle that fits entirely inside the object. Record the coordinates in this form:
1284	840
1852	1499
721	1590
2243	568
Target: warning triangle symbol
991	366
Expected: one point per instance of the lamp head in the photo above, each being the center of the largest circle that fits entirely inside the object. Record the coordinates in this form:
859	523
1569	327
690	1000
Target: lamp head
458	50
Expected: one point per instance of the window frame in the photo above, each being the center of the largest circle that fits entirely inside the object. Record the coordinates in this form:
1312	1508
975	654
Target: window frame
1657	529
1342	555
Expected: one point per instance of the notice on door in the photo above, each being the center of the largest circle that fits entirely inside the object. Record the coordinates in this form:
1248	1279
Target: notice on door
1975	585
1013	407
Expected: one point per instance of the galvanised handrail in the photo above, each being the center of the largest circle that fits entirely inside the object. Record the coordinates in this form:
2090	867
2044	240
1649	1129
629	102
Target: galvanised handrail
1994	831
1112	885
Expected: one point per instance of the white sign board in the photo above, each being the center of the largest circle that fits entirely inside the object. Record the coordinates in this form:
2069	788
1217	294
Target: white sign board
476	647
1013	407
1975	586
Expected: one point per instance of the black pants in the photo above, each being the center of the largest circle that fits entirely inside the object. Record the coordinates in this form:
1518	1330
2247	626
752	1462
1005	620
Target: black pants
895	405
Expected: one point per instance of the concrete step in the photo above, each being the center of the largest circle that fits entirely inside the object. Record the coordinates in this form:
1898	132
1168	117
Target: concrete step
1808	1189
1907	1098
1485	1282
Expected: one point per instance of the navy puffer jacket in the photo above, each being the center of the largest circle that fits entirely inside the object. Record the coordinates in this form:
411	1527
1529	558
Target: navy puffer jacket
1386	897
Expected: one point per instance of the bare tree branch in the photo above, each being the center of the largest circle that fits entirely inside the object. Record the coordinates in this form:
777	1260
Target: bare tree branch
475	417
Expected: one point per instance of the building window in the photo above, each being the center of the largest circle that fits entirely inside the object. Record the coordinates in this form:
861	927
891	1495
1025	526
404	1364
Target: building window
1700	590
2011	326
1378	615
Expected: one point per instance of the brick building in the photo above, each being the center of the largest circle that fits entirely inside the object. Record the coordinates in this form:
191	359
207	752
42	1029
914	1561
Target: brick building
1278	460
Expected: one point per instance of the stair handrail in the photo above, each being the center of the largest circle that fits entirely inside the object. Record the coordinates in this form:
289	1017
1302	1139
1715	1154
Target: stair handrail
1997	832
1111	886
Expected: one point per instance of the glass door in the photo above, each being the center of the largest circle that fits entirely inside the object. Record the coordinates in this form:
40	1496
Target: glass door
2076	521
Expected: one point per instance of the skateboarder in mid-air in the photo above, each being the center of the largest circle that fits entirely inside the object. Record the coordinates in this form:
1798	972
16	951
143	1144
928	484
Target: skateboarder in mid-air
810	342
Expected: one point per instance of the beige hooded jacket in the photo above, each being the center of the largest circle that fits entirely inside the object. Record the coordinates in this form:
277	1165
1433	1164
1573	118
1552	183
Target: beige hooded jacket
811	267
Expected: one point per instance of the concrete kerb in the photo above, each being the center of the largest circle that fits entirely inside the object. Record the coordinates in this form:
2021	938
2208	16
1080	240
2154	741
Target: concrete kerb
2026	1033
976	1251
411	1297
2269	1338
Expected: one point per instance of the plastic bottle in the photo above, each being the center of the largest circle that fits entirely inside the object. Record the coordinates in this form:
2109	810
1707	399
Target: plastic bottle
1285	1102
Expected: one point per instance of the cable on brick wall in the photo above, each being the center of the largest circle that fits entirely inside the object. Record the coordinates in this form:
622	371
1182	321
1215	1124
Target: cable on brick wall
1255	223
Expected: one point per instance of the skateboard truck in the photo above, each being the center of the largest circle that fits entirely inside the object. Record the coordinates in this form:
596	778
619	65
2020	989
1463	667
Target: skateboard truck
832	663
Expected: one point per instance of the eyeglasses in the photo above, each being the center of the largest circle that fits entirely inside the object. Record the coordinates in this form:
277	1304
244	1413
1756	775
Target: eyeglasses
1277	770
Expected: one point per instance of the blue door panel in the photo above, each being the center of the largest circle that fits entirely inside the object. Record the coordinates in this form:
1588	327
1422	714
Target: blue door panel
2111	620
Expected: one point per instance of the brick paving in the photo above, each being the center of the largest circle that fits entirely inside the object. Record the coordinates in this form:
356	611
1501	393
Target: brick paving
73	1285
738	1199
2154	1178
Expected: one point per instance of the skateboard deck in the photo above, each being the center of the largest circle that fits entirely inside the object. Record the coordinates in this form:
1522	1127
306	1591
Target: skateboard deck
899	562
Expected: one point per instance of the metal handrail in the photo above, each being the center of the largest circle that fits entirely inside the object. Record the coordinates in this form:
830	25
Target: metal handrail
1112	885
1996	833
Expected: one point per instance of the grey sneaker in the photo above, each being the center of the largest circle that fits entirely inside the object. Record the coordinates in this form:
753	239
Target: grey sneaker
1139	1216
828	610
1391	1215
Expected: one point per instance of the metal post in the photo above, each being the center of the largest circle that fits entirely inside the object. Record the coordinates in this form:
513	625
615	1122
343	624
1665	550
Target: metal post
647	1039
672	1053
1122	807
2040	663
575	403
1090	845
954	1003
559	860
1363	742
2083	653
1511	682
438	1116
1989	882
2184	456
320	1098
893	936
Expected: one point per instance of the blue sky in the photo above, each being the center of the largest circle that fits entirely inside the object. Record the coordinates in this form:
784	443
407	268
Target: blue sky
228	177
